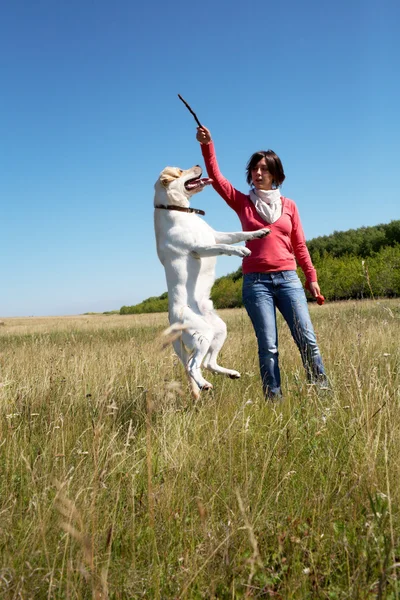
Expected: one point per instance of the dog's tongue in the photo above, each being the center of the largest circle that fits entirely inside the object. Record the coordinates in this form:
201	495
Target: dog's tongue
198	183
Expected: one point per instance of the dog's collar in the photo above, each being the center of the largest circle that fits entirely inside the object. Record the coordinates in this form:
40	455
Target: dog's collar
181	209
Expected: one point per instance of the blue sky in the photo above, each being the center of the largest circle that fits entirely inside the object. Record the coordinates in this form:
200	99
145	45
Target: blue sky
89	116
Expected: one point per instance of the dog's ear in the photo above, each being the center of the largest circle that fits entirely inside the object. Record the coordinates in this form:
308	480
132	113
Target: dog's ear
169	174
165	180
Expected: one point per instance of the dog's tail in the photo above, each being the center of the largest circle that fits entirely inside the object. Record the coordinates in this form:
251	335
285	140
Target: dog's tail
173	333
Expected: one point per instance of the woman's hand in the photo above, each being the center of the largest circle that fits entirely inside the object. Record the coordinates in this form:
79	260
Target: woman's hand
314	288
203	135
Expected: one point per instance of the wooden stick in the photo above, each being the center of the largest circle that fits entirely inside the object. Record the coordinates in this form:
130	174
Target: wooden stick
190	110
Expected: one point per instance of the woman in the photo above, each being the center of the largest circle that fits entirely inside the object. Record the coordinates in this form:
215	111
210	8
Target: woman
270	280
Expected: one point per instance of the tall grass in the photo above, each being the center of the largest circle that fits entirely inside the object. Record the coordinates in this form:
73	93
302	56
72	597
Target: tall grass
115	484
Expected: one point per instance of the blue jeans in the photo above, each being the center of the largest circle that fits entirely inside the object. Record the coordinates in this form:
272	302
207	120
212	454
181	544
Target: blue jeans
262	294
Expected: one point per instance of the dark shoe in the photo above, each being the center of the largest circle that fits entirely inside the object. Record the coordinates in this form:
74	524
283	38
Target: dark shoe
274	397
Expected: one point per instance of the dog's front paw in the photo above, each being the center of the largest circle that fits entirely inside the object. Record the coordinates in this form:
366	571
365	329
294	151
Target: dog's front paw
261	233
243	251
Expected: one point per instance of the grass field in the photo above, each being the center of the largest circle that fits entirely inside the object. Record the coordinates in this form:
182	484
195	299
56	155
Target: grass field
115	484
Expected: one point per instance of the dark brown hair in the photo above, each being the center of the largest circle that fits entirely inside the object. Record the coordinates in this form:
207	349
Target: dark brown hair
273	163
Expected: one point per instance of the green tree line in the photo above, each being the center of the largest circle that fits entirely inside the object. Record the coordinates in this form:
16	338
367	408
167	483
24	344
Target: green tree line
363	242
358	263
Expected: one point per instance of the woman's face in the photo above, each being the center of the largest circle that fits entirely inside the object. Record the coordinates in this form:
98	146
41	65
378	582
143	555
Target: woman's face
260	176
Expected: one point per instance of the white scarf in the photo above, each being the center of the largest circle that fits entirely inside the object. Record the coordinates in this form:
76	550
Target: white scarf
268	203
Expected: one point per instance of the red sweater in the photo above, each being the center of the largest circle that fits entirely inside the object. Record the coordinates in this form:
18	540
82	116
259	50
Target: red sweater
286	243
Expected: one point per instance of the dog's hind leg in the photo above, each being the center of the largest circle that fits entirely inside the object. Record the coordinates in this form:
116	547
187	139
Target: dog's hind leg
193	344
210	360
184	357
181	351
199	344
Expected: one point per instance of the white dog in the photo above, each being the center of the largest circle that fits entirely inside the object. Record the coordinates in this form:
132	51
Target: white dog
188	247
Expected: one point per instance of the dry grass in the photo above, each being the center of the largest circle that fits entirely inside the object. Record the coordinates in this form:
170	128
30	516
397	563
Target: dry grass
116	485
